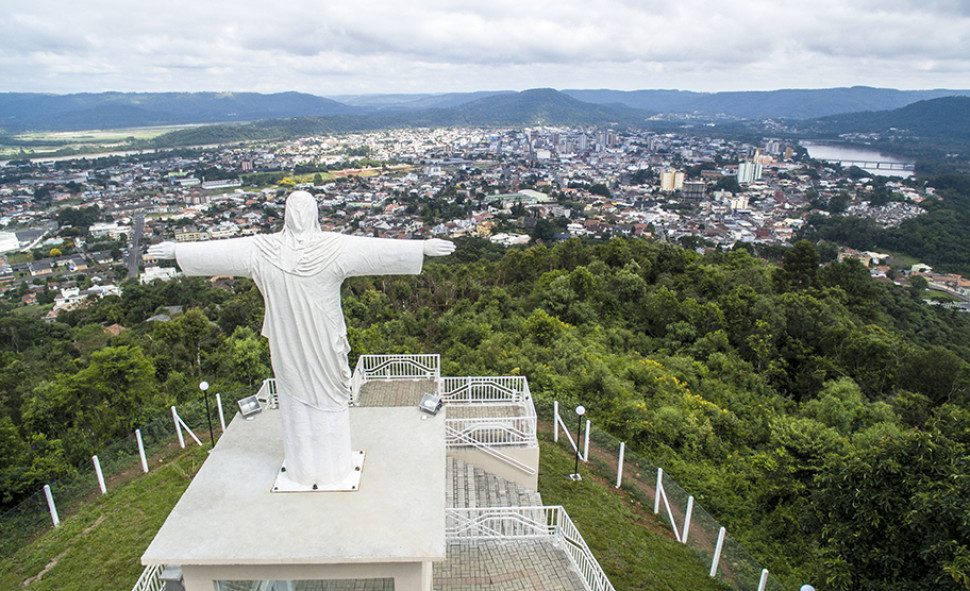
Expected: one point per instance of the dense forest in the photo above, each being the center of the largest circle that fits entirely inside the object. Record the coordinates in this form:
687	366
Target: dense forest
821	416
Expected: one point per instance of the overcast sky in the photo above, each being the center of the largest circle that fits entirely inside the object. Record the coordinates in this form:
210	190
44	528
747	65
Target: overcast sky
326	47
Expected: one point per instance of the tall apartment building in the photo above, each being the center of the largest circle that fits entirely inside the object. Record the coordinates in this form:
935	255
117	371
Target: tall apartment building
748	172
671	180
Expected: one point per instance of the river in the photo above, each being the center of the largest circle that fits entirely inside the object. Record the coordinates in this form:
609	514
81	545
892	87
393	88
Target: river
841	153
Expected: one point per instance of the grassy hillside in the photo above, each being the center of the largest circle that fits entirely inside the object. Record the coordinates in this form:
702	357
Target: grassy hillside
100	547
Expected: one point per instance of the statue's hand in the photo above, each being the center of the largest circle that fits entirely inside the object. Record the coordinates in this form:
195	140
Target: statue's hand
162	250
436	247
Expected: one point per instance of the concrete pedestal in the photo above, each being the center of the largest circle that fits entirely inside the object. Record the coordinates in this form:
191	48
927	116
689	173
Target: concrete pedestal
230	526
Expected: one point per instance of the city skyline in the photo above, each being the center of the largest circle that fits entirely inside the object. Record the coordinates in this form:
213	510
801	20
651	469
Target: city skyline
105	45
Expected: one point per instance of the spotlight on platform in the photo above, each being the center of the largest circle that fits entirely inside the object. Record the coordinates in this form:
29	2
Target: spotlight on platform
249	407
430	403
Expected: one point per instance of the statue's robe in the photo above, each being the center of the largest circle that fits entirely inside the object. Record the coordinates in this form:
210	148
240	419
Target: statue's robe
304	323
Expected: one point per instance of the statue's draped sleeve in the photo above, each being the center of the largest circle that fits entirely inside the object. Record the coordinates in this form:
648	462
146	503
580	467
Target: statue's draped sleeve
216	257
380	256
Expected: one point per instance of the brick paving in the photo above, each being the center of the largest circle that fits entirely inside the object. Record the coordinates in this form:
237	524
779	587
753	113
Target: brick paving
502	565
469	486
506	566
394	392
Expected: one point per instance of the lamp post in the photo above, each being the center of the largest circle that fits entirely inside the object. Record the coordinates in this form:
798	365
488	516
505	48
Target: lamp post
580	411
204	386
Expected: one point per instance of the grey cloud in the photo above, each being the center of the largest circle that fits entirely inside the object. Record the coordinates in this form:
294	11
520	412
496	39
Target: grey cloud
633	43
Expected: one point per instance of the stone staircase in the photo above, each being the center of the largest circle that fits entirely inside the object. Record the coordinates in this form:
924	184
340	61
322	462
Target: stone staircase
469	486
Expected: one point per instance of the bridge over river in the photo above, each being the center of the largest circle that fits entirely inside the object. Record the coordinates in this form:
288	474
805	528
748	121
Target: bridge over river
878	164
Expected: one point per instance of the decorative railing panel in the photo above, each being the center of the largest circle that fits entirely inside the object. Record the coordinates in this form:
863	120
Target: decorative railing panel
399	367
507	431
510	523
150	579
484	389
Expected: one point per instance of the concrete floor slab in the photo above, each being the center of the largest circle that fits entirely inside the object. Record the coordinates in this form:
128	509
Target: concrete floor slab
228	516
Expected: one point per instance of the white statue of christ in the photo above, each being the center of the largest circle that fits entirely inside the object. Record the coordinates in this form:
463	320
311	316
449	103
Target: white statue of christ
299	272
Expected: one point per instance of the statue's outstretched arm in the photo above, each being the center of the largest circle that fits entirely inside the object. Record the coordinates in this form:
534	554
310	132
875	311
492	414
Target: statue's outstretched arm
162	250
436	247
212	257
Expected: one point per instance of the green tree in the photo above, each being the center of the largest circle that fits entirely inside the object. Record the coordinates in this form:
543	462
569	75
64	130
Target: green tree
893	513
249	356
800	266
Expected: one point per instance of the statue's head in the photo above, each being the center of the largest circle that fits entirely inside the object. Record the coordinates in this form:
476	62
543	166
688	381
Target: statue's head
300	216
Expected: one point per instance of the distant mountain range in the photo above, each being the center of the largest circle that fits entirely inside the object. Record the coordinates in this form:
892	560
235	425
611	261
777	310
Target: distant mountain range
773	104
45	112
114	110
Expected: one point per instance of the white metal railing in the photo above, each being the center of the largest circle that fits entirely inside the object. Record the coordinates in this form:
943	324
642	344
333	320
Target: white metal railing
267	394
459	439
393	367
150	579
484	389
492	431
399	367
509	523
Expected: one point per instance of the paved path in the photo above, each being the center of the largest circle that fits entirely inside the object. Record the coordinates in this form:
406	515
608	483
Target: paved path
394	392
506	566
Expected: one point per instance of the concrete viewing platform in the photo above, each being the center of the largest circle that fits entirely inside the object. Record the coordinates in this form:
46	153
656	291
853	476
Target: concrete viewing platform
447	502
230	526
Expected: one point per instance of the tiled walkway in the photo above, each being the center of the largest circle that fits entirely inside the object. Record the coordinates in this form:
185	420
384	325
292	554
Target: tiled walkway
469	486
394	393
506	566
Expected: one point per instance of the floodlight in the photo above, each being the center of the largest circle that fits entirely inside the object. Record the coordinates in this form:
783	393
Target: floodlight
430	403
249	406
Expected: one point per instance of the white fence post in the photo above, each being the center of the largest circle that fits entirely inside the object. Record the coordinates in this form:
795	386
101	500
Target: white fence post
657	491
50	505
690	509
555	421
586	443
97	472
179	425
222	417
717	551
141	450
178	428
764	580
619	465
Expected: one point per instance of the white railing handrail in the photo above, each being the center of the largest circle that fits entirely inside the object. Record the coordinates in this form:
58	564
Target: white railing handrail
150	579
268	394
399	367
511	431
484	389
509	523
581	556
393	367
456	438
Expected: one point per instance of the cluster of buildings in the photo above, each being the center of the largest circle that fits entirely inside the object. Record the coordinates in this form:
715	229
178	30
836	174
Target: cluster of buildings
510	186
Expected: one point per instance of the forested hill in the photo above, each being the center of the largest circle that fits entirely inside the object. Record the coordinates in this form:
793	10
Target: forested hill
786	103
946	119
822	417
